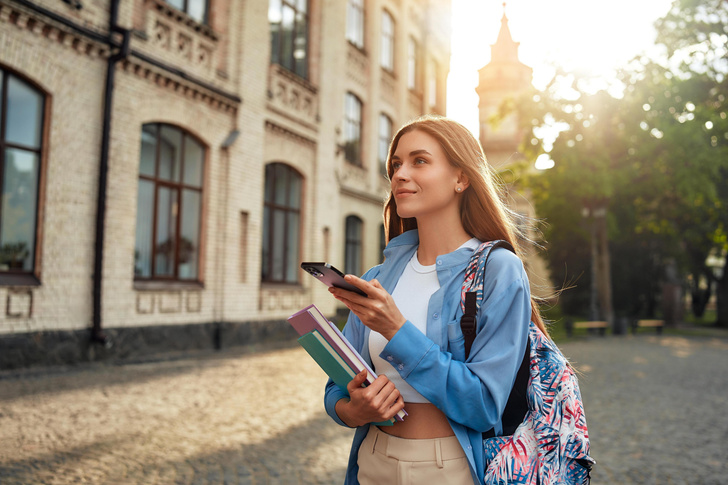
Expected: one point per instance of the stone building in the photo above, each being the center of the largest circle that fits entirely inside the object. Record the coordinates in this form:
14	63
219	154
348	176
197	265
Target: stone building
506	77
167	164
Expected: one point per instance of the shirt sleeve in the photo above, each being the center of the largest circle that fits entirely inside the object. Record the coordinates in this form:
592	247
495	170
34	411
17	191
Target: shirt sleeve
473	393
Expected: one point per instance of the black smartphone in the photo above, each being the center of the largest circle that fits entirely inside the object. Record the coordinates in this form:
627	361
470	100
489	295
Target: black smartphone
329	276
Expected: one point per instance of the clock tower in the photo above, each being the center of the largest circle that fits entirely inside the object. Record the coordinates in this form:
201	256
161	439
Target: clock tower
502	78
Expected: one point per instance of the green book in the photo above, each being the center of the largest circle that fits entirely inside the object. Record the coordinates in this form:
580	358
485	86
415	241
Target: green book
334	366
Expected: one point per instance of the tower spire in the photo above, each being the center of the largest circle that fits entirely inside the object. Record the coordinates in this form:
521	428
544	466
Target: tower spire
504	49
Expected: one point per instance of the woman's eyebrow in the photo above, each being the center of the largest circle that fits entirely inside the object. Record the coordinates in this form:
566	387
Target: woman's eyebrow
414	153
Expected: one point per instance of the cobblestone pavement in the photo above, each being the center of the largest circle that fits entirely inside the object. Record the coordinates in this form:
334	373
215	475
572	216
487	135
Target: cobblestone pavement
655	405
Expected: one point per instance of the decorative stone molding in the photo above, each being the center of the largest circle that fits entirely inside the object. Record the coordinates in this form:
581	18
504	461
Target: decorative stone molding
357	66
353	178
295	137
282	298
388	87
165	11
19	304
179	41
292	96
415	99
56	32
178	85
150	302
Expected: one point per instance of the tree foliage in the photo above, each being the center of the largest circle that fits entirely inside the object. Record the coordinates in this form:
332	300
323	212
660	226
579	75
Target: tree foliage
656	157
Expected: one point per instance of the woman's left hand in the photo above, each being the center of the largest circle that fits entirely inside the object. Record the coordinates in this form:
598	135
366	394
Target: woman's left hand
377	311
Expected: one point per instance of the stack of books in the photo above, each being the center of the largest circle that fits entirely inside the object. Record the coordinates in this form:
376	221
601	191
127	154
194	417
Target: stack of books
332	351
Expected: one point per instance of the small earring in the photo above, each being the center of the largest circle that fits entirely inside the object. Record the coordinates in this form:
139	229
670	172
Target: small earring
460	189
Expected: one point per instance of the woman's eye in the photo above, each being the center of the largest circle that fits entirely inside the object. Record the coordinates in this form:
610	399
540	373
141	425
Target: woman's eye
420	160
396	165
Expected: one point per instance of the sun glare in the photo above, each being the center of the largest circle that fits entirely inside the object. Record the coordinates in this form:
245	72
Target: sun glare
587	37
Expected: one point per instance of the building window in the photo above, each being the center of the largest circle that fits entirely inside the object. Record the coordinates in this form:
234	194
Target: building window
169	205
197	9
21	140
289	34
385	137
387	55
433	85
281	224
352	129
412	64
355	23
352	250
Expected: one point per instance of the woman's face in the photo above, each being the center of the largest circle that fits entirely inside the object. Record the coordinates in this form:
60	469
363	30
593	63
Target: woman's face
423	181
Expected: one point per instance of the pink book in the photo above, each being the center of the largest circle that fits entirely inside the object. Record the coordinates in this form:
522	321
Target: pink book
310	318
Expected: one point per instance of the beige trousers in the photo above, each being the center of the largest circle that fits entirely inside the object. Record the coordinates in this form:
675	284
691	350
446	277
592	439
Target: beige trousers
385	459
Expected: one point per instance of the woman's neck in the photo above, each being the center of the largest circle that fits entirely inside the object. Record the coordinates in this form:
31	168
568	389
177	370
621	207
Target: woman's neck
437	239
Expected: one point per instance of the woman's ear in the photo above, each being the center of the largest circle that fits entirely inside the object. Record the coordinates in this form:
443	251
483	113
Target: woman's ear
463	180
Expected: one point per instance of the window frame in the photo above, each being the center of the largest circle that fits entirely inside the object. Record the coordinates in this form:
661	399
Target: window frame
353	125
355	23
32	277
387	39
268	228
276	57
185	9
355	245
180	186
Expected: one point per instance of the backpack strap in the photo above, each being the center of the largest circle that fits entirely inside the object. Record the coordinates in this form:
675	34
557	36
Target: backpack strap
472	292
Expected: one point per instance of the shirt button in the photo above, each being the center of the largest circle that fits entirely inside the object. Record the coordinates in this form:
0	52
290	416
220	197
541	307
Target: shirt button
400	366
390	358
439	261
436	316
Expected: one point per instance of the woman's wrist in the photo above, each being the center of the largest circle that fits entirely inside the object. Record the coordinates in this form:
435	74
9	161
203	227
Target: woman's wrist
342	411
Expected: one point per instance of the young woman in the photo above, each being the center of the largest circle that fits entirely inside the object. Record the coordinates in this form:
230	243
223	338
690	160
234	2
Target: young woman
443	204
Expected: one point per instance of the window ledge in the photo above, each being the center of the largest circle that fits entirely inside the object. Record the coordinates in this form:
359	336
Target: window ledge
281	286
19	279
168	285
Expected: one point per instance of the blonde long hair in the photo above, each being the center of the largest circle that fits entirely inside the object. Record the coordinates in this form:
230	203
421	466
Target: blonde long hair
483	213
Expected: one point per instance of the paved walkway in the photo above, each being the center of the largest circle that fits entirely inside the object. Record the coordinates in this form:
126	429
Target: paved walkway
655	405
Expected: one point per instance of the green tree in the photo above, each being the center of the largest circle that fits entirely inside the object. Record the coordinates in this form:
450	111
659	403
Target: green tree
655	158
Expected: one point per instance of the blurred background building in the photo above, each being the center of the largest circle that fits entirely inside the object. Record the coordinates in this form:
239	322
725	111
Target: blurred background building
166	165
502	79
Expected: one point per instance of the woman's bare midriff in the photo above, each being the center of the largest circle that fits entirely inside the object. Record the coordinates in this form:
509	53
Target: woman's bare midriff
423	421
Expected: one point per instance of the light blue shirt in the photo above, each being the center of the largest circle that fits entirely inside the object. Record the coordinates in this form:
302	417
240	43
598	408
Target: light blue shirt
472	393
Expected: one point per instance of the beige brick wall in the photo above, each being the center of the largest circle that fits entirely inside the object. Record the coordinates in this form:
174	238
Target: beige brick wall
280	118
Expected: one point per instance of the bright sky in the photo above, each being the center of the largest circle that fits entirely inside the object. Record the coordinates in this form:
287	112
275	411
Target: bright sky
586	36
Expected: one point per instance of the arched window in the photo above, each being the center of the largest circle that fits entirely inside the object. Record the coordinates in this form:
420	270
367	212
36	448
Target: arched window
169	204
353	246
386	59
21	146
281	224
352	129
355	23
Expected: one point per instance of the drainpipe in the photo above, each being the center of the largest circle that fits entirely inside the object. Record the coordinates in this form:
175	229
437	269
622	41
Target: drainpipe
97	335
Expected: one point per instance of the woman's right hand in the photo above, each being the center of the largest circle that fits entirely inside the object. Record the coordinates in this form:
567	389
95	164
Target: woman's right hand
380	401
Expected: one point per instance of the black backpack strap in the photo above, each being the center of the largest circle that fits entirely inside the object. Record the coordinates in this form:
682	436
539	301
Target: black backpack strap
467	321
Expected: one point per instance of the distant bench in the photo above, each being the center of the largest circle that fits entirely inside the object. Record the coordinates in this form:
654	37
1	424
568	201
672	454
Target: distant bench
656	324
601	326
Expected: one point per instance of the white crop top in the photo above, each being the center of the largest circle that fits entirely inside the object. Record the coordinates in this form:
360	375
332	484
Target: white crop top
412	296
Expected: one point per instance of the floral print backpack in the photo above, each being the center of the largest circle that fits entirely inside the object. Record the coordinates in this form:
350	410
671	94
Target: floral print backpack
551	443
